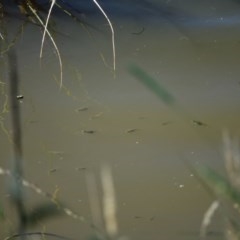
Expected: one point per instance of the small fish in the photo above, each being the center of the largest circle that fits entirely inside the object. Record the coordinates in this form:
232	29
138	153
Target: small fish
83	109
196	122
89	131
132	130
52	170
81	169
166	123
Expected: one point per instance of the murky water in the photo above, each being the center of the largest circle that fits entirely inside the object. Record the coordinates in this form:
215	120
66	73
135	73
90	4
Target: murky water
97	118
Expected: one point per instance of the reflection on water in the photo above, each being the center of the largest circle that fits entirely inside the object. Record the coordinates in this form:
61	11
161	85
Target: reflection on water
96	118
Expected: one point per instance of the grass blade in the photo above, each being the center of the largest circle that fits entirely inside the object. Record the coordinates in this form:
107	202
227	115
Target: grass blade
152	84
220	185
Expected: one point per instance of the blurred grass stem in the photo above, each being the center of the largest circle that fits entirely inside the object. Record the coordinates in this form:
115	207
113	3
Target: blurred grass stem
17	169
109	202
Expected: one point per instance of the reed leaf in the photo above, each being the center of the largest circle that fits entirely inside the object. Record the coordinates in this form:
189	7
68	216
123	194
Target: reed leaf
220	185
152	84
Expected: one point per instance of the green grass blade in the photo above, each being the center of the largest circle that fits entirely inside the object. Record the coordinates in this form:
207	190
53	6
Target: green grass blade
220	185
152	84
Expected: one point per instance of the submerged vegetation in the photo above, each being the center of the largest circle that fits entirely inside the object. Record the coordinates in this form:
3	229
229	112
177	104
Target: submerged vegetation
52	207
224	189
40	14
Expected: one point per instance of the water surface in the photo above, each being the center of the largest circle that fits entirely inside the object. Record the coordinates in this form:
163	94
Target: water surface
99	118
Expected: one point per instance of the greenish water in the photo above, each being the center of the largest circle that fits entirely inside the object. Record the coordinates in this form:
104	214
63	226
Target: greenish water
97	118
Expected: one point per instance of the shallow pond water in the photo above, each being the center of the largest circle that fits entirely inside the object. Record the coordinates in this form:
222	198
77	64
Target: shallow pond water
99	117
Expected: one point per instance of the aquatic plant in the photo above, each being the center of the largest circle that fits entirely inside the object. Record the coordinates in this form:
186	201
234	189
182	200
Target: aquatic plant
53	206
224	190
38	14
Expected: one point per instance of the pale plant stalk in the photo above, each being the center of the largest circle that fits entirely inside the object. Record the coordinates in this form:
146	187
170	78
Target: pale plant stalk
52	40
46	25
112	31
109	202
207	219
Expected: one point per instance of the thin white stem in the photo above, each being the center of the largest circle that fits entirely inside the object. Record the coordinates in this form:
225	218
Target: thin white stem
53	42
46	25
109	202
112	31
207	219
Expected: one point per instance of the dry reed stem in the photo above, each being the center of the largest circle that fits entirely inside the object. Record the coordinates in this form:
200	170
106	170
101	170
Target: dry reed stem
112	31
107	212
53	42
45	26
208	218
109	202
